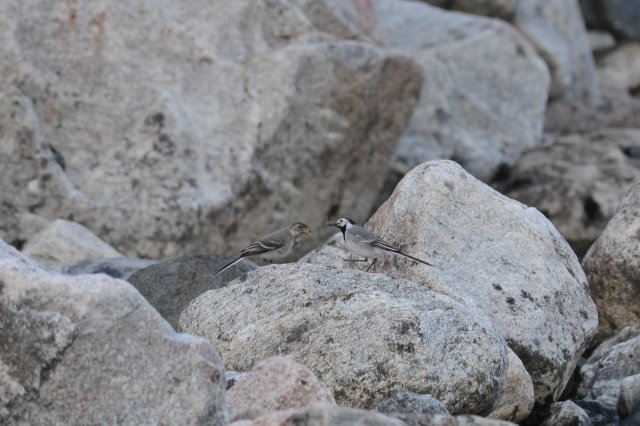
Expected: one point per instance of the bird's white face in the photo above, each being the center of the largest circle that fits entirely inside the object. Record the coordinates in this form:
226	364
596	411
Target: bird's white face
343	223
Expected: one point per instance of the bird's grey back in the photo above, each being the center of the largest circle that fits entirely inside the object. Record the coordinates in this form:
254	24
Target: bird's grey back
362	235
358	233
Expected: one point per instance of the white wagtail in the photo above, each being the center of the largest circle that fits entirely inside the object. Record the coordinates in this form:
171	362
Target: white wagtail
366	244
274	246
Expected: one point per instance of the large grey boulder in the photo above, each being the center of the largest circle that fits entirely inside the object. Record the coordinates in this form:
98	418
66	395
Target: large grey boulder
496	256
484	93
557	30
65	242
275	384
613	266
577	181
193	127
90	350
170	285
366	336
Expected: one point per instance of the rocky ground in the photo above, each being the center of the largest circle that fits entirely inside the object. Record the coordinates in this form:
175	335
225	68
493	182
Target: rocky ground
143	145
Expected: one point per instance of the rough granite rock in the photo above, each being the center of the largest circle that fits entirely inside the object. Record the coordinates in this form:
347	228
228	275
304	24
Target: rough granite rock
612	266
601	376
627	333
171	285
331	415
496	256
620	106
599	413
119	267
365	336
620	70
322	415
518	398
65	242
475	421
615	111
351	19
556	28
484	93
577	181
566	413
171	122
91	350
275	384
411	408
629	396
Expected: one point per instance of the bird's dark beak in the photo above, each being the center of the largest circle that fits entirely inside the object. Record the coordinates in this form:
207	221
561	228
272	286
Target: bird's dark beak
330	224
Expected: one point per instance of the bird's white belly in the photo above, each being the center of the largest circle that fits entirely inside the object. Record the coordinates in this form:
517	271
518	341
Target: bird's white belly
277	254
365	250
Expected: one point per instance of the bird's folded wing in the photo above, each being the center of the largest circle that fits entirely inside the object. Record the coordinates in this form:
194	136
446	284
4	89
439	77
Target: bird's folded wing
380	243
262	246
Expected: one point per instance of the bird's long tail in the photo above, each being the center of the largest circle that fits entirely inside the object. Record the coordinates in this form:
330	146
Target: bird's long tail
414	258
228	265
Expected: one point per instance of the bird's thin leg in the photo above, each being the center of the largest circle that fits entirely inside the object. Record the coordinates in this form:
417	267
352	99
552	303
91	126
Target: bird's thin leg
372	263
